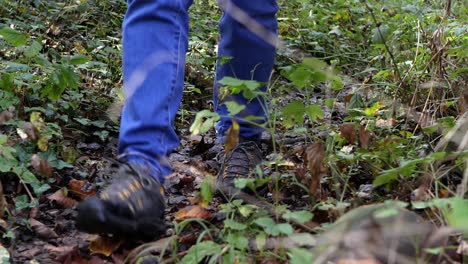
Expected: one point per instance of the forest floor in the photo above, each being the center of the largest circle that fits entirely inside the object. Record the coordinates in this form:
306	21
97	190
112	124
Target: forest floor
365	158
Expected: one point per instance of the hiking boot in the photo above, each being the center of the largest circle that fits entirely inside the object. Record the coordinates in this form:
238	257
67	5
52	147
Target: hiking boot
240	162
131	207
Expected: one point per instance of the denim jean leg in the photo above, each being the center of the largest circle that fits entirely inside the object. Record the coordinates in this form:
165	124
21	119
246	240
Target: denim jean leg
155	40
252	59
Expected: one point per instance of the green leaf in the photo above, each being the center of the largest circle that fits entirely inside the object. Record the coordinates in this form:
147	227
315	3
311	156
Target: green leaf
260	240
14	37
385	177
40	188
83	121
7	82
293	113
246	210
314	112
285	228
206	189
3	139
225	59
337	83
234	108
300	256
314	64
241	183
298	216
329	102
457	215
268	225
238	241
64	77
5	165
248	88
372	111
380	34
299	76
230	81
356	102
201	250
28	177
22	202
229	223
33	50
79	59
204	120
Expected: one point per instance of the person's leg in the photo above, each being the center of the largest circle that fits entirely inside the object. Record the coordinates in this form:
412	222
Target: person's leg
155	39
252	58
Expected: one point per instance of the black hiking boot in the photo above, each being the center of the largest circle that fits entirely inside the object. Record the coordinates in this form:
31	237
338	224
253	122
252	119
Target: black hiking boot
240	162
131	207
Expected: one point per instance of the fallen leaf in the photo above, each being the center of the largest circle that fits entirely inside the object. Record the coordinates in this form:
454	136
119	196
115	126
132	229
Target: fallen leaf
30	131
60	198
42	230
104	245
194	211
41	165
348	132
79	188
232	137
5	116
189	238
364	137
348	97
385	123
3	223
59	251
314	155
31	253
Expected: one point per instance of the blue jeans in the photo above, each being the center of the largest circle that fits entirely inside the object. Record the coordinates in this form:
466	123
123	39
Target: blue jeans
155	40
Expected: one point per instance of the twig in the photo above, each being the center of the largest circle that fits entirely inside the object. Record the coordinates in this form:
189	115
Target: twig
395	66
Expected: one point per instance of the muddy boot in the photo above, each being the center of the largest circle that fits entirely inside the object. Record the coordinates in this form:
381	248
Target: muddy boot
131	207
240	162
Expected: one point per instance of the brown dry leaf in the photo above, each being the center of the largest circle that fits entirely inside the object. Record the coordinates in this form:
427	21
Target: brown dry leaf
31	131
79	188
190	238
193	211
41	165
314	155
3	223
348	132
42	230
348	97
364	137
60	198
59	251
5	116
104	245
232	137
385	123
31	253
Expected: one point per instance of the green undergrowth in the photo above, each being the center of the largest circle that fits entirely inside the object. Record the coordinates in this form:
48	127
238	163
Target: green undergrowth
374	91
